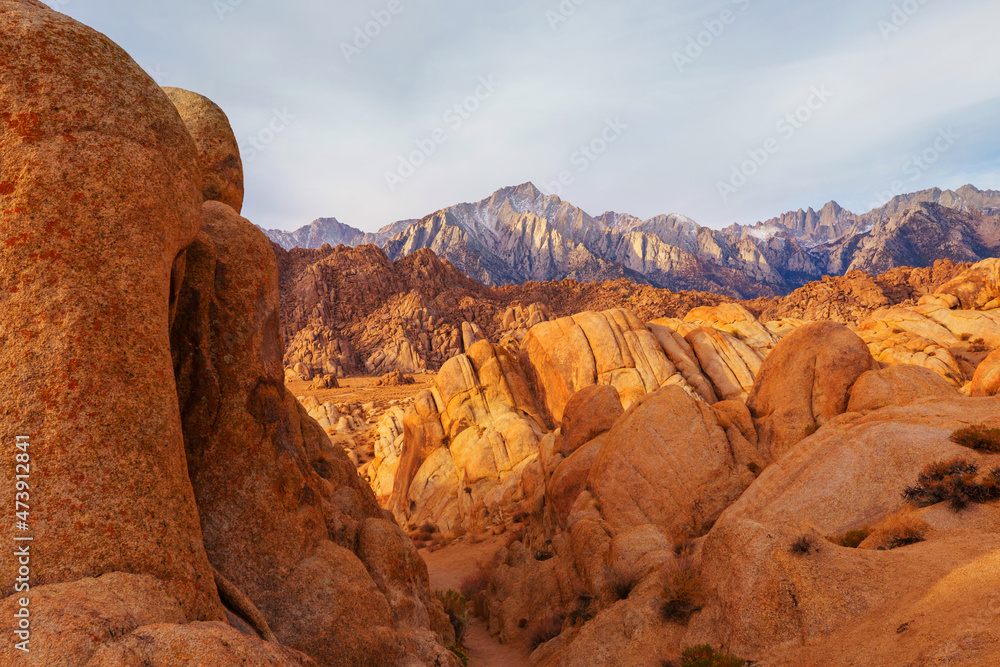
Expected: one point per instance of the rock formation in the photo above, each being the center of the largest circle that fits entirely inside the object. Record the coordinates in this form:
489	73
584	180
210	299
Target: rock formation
223	519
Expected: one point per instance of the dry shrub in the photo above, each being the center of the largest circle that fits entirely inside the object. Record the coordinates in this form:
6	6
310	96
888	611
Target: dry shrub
682	591
474	587
980	437
622	582
956	482
683	545
801	546
899	530
852	538
965	336
546	629
706	656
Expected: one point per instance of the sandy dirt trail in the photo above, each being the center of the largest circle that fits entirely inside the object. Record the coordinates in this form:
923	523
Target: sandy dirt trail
447	568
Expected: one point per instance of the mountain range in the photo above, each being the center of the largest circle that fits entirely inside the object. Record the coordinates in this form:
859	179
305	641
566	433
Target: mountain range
519	234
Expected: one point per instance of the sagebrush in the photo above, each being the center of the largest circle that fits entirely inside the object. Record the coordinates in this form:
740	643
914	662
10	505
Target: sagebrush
956	482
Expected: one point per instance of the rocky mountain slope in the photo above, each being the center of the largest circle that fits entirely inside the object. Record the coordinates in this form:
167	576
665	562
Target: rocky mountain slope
352	310
519	234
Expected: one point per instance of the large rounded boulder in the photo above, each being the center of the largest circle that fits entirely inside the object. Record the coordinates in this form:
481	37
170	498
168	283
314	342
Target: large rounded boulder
805	382
218	151
100	191
669	462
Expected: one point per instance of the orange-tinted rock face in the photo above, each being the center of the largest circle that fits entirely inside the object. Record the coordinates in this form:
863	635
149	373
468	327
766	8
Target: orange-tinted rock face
99	192
218	152
986	381
805	382
273	493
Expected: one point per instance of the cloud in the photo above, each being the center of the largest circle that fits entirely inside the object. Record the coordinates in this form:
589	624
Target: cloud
561	80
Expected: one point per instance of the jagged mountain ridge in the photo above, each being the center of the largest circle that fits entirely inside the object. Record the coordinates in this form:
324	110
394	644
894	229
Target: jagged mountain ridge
519	234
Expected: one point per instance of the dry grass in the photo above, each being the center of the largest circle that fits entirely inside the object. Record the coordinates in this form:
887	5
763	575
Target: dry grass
979	437
682	590
622	582
899	530
546	629
956	482
583	607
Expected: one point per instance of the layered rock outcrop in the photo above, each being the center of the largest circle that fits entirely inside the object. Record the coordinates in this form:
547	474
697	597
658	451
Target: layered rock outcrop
467	445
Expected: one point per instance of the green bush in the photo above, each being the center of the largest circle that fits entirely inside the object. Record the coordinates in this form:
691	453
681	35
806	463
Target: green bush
456	606
852	538
460	651
706	656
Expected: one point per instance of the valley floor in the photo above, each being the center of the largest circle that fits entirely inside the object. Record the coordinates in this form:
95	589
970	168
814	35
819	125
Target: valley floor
448	566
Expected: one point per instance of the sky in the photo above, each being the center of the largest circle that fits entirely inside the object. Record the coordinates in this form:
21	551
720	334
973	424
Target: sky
373	111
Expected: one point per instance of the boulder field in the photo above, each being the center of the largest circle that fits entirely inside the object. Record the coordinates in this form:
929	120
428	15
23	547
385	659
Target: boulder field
185	509
717	481
675	472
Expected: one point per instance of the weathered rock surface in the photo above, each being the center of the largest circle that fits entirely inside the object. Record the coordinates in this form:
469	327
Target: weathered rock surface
610	348
467	444
218	152
274	539
805	382
85	352
589	413
897	385
127	619
986	381
150	328
669	462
